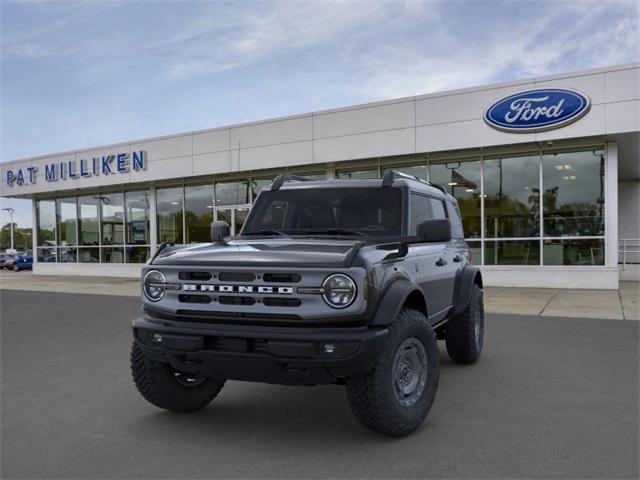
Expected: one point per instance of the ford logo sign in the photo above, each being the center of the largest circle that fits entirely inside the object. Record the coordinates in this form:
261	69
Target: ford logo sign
537	110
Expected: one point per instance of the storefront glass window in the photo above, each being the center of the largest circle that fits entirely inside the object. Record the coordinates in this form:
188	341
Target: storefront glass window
574	252
46	217
137	254
512	197
88	220
137	218
420	171
573	198
198	212
112	255
169	207
89	255
112	218
67	221
512	252
462	180
360	173
232	193
67	254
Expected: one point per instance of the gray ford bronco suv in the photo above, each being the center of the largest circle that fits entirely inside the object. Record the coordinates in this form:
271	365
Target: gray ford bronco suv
343	281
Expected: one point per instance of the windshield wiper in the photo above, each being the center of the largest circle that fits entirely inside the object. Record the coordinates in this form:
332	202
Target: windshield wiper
267	231
336	231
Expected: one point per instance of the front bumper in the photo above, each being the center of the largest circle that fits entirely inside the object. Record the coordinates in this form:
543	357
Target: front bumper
290	356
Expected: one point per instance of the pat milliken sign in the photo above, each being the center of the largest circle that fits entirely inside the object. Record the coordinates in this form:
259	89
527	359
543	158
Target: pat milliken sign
105	165
537	110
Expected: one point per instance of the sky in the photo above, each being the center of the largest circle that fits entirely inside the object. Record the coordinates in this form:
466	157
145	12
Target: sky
87	73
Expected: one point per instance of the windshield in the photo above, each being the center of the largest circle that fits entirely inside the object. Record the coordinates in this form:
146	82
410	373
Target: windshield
327	211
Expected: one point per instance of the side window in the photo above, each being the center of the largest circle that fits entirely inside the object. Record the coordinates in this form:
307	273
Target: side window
437	206
420	212
456	222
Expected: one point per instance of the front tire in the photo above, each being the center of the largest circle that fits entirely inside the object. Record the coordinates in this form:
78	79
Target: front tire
396	395
169	389
464	334
16	268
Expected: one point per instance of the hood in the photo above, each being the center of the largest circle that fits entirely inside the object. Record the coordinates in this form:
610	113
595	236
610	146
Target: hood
267	252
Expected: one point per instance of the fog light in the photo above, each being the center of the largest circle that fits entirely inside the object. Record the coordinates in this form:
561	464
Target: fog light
329	348
156	338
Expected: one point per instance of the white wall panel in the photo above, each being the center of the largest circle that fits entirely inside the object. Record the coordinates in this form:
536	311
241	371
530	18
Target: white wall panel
623	85
211	141
286	154
367	119
469	134
623	116
462	107
593	123
166	147
210	163
167	168
271	133
379	144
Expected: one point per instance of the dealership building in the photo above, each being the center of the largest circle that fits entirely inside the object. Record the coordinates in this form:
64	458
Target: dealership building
546	172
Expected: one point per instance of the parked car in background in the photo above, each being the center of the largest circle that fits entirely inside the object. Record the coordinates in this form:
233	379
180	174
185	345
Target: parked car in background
7	260
23	262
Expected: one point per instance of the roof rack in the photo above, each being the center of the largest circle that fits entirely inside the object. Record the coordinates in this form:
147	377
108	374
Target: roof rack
287	177
390	175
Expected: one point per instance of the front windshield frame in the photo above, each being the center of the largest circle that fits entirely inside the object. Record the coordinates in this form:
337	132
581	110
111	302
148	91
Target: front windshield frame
249	230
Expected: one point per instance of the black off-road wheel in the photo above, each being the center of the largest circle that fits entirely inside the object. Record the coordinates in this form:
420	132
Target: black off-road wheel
163	386
396	395
464	334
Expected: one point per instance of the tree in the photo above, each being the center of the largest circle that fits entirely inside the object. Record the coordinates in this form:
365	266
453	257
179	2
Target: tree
21	237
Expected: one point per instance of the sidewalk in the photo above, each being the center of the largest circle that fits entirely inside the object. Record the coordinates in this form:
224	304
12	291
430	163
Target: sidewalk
623	304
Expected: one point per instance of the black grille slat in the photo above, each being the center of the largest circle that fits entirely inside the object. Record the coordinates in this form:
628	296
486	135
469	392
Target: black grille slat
282	277
196	276
237	277
194	298
229	300
282	302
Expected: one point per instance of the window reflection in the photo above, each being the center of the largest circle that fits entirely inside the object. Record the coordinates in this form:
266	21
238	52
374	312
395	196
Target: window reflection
88	220
232	193
198	212
512	197
362	173
574	252
573	198
169	208
46	218
137	218
89	255
67	212
462	180
512	252
112	218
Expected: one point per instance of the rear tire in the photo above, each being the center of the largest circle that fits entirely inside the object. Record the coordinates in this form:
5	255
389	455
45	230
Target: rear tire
464	334
166	388
396	395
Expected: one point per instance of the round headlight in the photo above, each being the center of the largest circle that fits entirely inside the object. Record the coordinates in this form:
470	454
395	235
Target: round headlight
153	285
339	290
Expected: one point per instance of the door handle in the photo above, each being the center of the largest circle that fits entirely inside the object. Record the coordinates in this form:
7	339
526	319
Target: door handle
441	262
457	258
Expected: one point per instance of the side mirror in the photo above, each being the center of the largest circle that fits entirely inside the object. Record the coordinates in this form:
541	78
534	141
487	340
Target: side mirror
437	230
219	230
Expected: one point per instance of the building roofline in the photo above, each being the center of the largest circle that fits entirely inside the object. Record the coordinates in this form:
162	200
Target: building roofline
445	93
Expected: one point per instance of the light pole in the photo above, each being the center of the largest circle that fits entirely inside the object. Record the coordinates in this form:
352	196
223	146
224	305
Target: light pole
11	212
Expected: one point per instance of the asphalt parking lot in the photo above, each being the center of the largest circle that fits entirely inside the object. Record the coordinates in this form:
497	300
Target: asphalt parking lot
550	398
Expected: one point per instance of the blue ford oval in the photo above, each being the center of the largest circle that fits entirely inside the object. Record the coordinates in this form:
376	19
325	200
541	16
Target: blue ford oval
537	110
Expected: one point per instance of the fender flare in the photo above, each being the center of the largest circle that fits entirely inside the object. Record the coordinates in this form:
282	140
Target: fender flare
392	300
467	277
